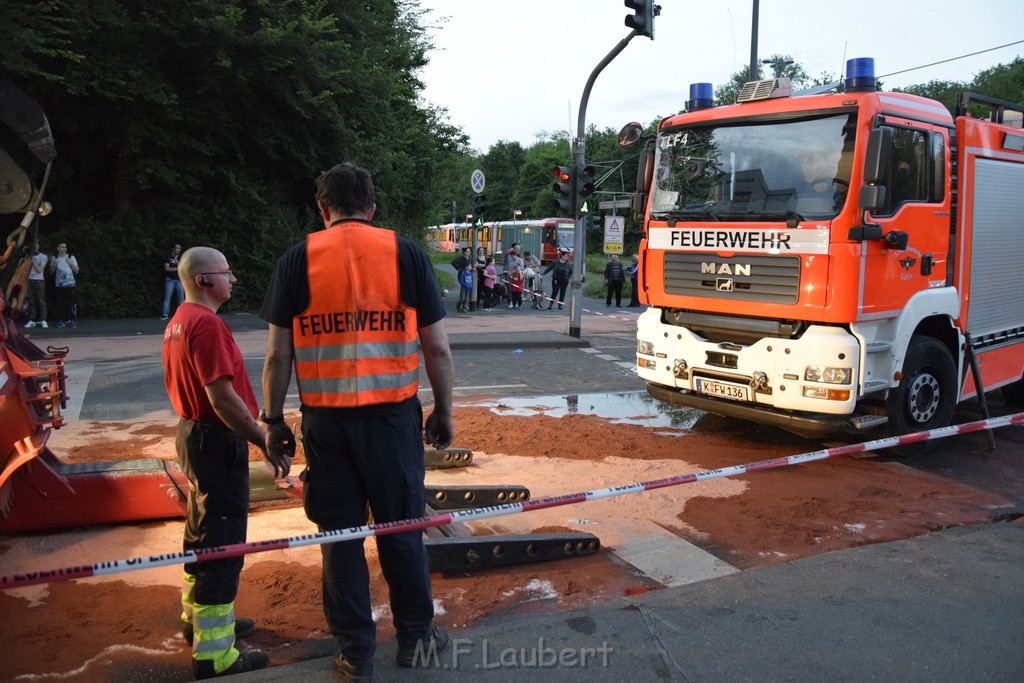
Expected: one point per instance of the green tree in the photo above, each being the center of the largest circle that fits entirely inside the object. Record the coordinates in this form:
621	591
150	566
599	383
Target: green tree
206	121
1003	81
534	194
501	165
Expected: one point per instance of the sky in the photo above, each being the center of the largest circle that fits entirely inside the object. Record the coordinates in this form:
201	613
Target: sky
510	69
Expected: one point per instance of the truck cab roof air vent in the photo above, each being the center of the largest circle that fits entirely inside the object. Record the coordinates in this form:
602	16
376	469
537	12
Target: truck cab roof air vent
768	89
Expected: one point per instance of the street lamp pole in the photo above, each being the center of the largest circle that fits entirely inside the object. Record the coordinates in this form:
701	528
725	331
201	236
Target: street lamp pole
752	74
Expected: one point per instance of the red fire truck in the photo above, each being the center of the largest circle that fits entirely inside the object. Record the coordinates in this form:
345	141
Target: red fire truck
831	262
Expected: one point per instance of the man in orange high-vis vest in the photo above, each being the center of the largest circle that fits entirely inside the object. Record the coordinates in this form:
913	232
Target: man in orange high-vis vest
346	307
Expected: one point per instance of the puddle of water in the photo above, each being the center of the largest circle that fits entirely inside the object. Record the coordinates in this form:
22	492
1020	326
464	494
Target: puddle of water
637	408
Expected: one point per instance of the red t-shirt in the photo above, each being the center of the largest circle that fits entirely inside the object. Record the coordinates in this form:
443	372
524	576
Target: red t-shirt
198	349
517	279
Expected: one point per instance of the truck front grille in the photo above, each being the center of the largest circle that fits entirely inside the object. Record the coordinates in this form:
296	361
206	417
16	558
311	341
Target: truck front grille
744	277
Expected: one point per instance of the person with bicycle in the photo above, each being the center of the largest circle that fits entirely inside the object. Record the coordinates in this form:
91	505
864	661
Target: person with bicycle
561	271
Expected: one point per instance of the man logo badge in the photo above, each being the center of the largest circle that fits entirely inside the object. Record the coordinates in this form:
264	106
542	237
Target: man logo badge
723	284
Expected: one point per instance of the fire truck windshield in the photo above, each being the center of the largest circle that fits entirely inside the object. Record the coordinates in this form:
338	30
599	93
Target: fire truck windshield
747	171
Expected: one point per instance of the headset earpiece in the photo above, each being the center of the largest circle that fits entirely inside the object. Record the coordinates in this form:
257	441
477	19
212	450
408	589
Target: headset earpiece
205	282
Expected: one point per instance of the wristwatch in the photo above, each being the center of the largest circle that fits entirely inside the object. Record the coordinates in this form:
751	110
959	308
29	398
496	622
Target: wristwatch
270	420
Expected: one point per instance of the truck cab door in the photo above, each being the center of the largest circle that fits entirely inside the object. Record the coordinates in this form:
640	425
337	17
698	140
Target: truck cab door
911	216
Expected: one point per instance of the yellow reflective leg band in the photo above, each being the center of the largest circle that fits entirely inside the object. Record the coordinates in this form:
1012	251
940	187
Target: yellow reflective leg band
188	593
215	635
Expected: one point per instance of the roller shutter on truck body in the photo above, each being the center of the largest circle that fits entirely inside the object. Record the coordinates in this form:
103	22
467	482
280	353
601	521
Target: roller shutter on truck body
995	305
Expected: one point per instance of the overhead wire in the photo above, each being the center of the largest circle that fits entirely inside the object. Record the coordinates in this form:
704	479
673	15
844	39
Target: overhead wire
951	59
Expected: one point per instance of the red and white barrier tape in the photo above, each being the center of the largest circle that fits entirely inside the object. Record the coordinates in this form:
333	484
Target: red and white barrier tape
118	566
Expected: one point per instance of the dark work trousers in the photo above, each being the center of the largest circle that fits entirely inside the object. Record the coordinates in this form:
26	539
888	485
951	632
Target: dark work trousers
369	456
558	289
65	299
216	463
634	295
614	289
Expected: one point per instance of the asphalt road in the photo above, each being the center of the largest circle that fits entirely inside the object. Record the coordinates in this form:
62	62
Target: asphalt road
115	375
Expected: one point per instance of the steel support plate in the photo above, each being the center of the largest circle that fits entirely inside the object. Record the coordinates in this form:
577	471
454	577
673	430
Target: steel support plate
465	497
456	555
445	459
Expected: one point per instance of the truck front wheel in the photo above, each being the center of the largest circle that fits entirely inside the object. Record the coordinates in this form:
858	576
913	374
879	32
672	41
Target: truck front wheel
926	396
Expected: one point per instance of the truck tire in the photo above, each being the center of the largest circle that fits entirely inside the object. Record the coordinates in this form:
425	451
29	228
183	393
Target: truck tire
926	396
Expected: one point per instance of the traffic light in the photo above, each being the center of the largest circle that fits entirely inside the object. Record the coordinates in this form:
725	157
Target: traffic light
479	204
585	185
563	189
642	19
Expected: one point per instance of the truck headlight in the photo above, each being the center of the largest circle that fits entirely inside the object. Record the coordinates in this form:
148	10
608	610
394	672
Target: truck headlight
645	347
827	375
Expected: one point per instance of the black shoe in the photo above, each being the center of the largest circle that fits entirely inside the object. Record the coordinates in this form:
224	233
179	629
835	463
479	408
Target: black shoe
351	672
252	660
243	628
422	653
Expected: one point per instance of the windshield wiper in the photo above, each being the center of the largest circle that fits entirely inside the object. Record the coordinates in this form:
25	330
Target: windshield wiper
690	214
791	217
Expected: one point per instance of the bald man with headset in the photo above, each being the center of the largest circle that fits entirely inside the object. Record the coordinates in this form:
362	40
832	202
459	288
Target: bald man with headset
211	393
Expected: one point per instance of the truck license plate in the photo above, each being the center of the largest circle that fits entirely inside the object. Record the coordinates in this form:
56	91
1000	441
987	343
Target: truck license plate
736	392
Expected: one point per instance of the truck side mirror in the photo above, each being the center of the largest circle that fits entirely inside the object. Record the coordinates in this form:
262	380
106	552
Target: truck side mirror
872	198
639	201
877	155
630	134
644	170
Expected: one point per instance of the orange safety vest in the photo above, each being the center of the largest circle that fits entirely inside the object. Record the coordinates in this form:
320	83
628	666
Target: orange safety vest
356	342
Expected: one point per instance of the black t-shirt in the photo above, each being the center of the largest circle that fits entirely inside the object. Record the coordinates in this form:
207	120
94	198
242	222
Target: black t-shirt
288	293
171	261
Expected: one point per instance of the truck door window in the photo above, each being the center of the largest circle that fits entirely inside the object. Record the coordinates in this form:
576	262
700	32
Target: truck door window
916	169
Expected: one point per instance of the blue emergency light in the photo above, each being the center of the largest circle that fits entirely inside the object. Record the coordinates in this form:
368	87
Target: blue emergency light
701	97
860	75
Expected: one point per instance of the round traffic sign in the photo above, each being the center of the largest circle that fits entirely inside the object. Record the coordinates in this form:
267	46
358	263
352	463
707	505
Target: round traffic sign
477	181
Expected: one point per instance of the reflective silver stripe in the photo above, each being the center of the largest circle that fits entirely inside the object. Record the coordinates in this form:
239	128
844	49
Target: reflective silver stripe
217	645
205	623
928	113
349	385
304	354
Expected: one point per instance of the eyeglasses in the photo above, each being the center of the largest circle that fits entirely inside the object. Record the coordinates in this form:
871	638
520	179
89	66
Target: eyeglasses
219	272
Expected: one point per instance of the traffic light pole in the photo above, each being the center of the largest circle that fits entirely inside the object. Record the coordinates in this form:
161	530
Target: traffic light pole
579	239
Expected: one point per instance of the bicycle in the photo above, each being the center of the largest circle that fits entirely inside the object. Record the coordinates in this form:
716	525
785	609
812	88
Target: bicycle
540	300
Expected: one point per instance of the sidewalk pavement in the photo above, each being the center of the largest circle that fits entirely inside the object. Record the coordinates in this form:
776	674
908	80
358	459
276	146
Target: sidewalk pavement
499	327
946	606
